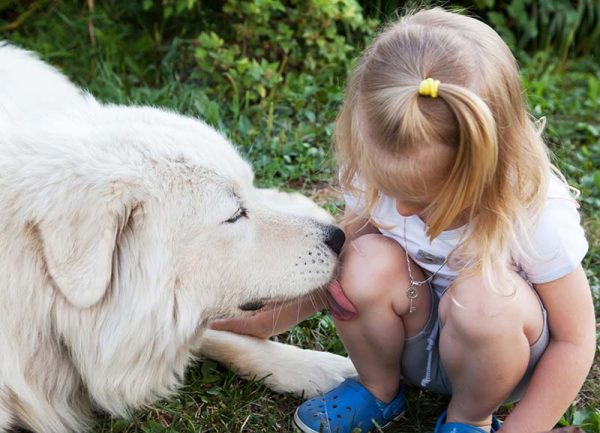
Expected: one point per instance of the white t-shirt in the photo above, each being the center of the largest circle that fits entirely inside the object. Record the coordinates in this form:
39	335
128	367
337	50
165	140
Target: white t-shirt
557	238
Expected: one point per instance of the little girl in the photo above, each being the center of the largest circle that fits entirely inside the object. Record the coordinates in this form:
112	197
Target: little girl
462	274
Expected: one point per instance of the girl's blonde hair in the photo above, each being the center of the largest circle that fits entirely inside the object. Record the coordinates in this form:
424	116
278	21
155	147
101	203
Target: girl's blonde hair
473	152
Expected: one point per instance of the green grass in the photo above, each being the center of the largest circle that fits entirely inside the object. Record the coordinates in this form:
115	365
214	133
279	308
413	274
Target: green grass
143	58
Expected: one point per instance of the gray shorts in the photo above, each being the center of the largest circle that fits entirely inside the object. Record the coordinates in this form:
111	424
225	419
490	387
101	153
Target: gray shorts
423	368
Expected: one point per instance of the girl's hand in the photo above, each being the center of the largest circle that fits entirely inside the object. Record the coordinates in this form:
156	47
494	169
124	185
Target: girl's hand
255	326
265	324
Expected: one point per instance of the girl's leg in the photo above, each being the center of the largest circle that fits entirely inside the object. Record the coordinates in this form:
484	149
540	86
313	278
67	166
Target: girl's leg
484	344
374	278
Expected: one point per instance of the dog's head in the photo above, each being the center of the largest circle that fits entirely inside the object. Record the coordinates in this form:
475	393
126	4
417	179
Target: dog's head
159	208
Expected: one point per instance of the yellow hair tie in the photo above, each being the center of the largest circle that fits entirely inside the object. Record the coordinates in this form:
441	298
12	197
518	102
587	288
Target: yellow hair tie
429	87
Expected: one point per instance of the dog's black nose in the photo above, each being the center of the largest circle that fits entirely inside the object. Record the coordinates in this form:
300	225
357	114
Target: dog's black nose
335	238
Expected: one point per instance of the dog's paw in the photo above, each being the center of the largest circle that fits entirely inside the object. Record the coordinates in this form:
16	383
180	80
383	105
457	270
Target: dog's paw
314	373
283	368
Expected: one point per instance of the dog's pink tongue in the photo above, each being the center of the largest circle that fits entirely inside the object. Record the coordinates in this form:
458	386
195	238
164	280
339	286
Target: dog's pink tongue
340	306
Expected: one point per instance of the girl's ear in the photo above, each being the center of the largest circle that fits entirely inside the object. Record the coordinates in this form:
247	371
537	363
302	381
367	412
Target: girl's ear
79	248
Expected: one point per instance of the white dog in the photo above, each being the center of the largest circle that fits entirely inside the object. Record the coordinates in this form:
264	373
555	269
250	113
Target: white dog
123	232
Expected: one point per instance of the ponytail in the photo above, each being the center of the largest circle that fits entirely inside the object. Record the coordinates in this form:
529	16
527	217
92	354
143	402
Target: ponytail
475	163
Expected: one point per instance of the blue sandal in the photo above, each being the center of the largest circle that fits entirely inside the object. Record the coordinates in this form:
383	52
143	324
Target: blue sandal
457	427
345	408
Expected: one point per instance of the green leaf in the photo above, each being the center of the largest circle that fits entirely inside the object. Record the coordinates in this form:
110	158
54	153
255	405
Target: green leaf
597	179
147	4
153	427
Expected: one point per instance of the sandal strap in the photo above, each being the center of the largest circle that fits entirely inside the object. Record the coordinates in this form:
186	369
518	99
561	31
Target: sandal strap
457	427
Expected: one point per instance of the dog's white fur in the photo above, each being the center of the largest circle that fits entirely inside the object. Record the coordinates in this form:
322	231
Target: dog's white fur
116	253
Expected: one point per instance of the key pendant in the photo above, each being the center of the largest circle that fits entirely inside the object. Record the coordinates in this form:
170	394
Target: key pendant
411	294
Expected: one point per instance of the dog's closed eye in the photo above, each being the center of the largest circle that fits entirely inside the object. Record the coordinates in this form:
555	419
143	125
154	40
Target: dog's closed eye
242	212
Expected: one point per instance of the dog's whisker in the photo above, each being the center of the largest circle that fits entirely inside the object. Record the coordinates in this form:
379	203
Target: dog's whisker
277	309
310	299
322	298
298	304
273	318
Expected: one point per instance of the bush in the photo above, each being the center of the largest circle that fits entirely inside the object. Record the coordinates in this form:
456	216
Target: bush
553	29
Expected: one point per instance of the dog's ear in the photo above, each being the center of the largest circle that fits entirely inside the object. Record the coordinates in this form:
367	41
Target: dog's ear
79	250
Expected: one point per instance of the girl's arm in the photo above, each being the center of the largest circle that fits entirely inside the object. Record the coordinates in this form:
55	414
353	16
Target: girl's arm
273	322
566	362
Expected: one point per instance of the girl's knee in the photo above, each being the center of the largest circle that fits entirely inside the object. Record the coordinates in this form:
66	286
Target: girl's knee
369	265
476	311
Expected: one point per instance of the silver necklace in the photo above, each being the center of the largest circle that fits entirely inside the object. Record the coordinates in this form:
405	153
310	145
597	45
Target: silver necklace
411	291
